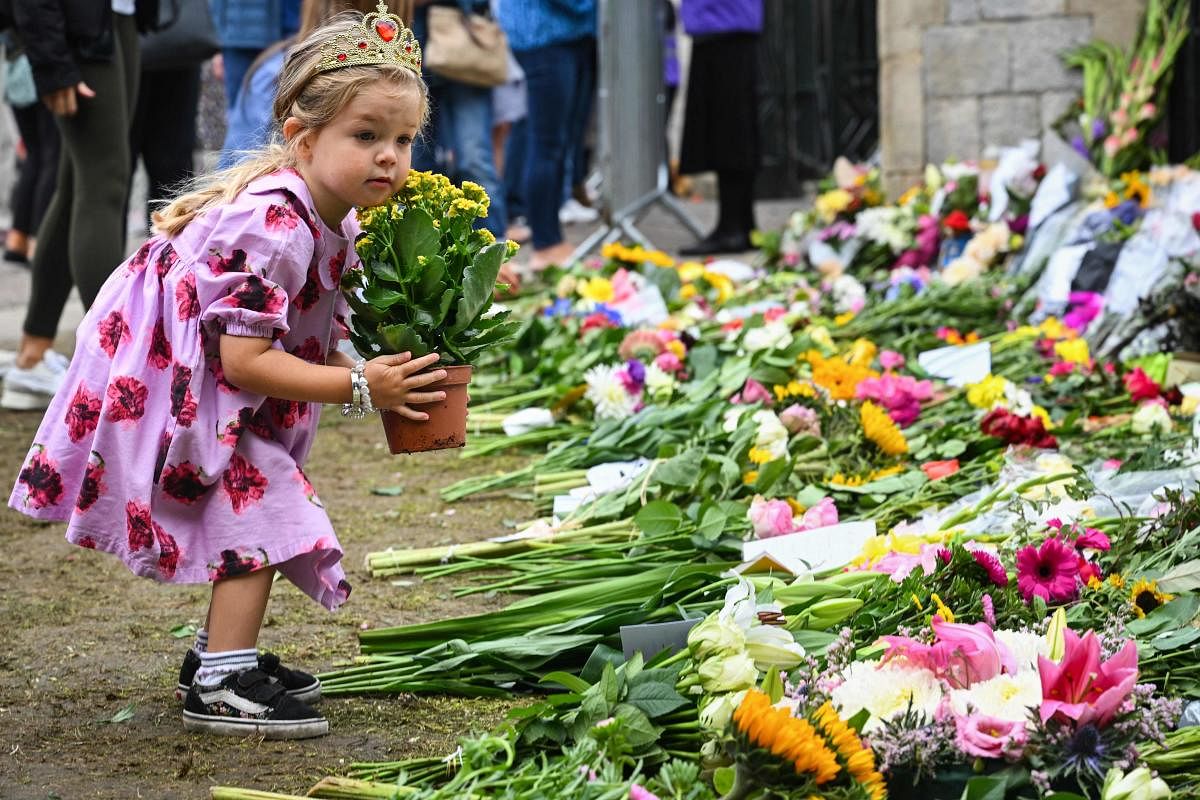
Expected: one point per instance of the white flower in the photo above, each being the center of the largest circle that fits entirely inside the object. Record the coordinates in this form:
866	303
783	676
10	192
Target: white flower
961	270
715	714
848	294
1150	417
773	646
772	435
717	635
1136	785
608	393
886	692
728	674
733	418
659	384
772	336
1025	647
1017	400
885	225
1007	697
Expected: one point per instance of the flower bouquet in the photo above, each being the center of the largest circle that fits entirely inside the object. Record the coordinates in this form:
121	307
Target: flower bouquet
425	285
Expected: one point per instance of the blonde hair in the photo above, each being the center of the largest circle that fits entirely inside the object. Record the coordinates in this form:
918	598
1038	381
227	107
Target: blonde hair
314	98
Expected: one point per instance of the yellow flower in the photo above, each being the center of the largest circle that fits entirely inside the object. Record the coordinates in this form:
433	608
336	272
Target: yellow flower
1073	350
760	455
789	738
1111	200
909	195
1020	334
690	271
1094	583
687	292
1145	597
832	203
1051	328
879	428
1043	415
862	353
821	338
1135	188
597	289
987	392
838	376
1117	580
942	609
721	283
750	476
675	346
475	192
843	318
511	248
485	236
465	208
917	602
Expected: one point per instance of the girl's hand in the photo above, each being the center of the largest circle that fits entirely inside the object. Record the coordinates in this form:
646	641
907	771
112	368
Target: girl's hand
395	382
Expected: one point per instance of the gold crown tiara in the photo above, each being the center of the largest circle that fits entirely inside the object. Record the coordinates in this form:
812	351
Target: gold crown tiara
381	38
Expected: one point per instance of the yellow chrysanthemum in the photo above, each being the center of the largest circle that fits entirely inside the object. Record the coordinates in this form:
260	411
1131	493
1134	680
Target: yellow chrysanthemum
596	289
943	610
1074	351
687	291
690	271
987	392
862	353
1051	328
837	376
880	429
1117	580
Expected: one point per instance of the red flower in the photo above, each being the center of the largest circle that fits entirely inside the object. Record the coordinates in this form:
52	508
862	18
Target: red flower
160	348
126	399
309	491
183	404
93	483
243	483
255	294
336	264
991	565
1088	570
281	218
306	216
167	259
83	413
220	264
936	470
87	541
113	332
596	321
286	413
235	563
138	262
957	221
43	484
138	525
183	482
1015	429
164	444
1050	572
310	350
310	292
1140	385
187	303
1196	220
168	552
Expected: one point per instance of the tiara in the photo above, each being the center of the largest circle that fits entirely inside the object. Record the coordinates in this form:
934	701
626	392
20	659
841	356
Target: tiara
381	38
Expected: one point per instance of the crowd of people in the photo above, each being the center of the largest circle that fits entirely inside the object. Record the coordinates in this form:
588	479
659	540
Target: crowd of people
96	86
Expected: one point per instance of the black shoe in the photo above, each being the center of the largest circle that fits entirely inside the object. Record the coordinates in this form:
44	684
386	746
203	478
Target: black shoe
15	257
300	685
718	243
250	703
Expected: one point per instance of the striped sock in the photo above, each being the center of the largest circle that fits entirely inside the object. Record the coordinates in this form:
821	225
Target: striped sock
215	666
201	644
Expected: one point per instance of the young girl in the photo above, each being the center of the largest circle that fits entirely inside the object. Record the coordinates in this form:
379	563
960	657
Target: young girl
193	397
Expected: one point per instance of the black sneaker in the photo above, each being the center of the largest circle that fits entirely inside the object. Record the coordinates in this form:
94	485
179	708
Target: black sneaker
300	685
250	703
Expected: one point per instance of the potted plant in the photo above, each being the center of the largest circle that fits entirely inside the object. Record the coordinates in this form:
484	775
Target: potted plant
425	285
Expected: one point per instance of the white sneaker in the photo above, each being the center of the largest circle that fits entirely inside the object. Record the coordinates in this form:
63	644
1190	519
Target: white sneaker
33	389
8	360
573	211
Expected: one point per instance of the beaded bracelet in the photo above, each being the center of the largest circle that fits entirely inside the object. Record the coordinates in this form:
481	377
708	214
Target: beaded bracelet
360	393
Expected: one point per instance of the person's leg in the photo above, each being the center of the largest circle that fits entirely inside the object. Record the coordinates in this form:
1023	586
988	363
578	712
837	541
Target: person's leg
469	113
549	73
49	152
16	241
236	612
735	191
581	115
168	154
98	138
237	62
425	148
516	157
50	271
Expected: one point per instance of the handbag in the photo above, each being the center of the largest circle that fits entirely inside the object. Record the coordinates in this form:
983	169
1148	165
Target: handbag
186	36
468	48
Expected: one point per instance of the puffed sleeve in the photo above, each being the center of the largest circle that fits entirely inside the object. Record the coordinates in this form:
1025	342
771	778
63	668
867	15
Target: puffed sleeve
256	256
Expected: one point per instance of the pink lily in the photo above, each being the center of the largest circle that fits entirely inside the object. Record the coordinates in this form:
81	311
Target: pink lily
1082	688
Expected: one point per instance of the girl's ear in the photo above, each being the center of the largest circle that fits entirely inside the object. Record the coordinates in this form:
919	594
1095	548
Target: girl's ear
293	130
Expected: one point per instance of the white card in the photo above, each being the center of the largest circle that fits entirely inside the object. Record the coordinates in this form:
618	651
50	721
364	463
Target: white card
816	550
527	419
958	365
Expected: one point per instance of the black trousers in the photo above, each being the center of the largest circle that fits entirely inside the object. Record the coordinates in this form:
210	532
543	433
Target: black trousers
163	131
39	171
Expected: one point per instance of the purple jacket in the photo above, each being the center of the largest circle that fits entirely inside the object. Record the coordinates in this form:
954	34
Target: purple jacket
706	17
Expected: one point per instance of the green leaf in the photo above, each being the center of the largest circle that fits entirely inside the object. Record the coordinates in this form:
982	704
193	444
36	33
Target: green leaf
431	276
567	680
416	236
658	517
703	359
712	523
724	779
610	687
655	699
859	720
491	337
985	787
682	470
381	297
594	666
184	630
952	448
388	491
401	338
1183	578
479	281
382	270
638	730
770	473
124	715
772	684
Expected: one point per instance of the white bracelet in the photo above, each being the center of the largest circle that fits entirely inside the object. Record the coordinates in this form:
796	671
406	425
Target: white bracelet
360	393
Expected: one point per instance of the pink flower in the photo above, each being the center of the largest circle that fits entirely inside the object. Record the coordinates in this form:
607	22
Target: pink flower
991	565
772	314
1088	570
1083	689
638	792
1050	572
643	345
799	419
890	359
1085	307
622	285
989	737
1112	463
1092	539
901	395
1140	385
770	517
822	514
962	655
936	470
752	392
1060	368
668	362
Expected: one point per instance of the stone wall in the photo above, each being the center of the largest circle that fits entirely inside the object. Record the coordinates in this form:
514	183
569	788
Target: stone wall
959	76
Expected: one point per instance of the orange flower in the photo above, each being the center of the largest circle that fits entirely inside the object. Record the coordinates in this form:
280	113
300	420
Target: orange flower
837	375
787	737
879	428
936	470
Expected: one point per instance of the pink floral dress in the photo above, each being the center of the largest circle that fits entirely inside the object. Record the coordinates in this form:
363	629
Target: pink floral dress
149	453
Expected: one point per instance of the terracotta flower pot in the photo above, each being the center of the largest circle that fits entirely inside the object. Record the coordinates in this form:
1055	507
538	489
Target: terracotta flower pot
447	423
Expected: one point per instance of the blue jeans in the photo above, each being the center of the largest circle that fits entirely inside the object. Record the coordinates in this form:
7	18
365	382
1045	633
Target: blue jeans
461	123
237	63
560	80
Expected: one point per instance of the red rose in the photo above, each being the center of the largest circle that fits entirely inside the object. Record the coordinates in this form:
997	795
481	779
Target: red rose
43	483
160	349
187	303
936	470
1140	385
113	332
243	483
126	399
957	221
83	414
281	218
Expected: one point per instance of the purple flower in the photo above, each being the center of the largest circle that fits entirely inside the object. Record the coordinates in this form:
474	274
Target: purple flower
1098	129
559	308
1080	146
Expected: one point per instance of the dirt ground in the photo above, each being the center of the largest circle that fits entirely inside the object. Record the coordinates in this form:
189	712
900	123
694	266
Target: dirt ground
82	639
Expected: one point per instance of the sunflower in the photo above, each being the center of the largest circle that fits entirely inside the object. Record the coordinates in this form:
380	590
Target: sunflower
859	760
880	429
789	738
1145	597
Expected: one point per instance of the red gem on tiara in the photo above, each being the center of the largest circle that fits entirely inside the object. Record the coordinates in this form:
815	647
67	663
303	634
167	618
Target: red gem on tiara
386	29
362	45
408	49
341	56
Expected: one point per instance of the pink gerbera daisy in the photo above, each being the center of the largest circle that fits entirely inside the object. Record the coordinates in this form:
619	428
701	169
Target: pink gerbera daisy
991	565
1051	572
